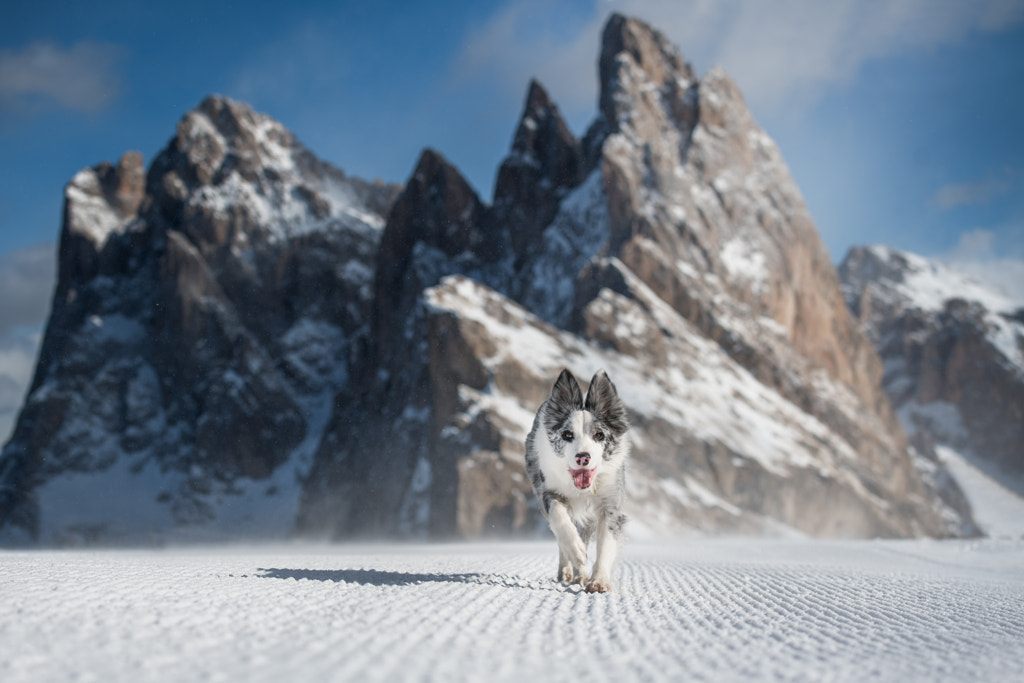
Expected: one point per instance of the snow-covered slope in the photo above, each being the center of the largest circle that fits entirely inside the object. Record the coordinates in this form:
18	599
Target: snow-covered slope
725	610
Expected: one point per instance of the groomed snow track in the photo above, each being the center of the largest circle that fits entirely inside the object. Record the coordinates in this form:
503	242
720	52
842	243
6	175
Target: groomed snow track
713	610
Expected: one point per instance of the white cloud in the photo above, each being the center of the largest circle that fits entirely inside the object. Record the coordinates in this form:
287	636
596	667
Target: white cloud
979	254
26	280
783	54
81	78
17	363
522	41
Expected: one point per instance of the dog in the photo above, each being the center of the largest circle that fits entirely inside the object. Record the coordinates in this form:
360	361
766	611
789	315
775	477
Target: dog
576	456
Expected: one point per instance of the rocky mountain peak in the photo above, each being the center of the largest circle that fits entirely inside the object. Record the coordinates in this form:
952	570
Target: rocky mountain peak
544	140
221	135
629	40
233	178
237	285
692	179
438	217
440	206
638	63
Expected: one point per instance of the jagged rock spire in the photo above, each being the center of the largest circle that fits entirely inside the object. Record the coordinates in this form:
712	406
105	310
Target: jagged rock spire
545	162
633	57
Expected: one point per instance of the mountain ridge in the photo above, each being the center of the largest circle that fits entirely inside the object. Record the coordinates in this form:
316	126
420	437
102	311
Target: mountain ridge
273	347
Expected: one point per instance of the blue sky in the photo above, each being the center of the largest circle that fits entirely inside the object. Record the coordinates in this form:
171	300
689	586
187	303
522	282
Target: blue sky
900	119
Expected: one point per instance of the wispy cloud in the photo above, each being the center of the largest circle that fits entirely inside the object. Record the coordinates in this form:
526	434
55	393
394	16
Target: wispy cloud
292	66
980	254
42	75
17	362
783	54
26	280
972	194
523	41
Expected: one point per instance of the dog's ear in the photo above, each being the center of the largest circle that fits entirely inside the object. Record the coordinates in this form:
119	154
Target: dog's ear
567	392
566	396
603	400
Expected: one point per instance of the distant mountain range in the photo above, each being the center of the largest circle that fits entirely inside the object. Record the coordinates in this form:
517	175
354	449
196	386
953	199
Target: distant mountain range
247	342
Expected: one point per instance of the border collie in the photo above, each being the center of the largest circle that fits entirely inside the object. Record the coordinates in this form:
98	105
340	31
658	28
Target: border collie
576	459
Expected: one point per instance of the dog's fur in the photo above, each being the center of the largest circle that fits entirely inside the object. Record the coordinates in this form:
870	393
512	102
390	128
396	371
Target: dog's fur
576	459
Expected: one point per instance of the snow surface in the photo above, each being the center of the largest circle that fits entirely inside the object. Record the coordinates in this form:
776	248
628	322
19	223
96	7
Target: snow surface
723	609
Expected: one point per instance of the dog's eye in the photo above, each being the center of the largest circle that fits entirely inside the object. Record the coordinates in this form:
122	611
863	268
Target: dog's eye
567	435
599	436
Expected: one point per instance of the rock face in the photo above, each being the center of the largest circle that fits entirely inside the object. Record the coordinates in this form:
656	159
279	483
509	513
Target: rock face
953	352
257	345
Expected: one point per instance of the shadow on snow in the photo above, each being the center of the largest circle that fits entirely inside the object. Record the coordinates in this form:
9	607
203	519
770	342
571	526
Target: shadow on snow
380	577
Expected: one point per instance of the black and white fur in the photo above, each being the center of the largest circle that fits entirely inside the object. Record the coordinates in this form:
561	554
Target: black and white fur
576	458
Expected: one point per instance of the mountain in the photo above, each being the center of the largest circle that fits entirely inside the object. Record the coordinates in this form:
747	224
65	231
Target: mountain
250	342
953	352
203	316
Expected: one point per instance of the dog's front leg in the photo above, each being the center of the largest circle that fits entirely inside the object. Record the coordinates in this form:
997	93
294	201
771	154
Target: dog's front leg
609	528
572	552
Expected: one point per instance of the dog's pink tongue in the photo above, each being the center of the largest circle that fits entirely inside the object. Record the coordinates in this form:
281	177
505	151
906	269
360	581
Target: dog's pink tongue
582	478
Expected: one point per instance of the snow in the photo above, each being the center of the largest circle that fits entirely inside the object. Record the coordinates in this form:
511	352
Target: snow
72	512
929	284
92	216
697	610
280	206
744	263
997	510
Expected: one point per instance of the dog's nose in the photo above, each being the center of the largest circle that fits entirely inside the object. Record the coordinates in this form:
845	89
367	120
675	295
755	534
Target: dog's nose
583	459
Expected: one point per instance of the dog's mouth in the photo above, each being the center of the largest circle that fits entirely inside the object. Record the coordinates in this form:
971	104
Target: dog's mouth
583	478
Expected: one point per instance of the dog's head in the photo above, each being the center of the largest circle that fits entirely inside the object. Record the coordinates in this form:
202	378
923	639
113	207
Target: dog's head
587	432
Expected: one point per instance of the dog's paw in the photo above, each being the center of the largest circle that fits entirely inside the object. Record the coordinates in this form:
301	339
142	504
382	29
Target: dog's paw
572	561
598	584
568	575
